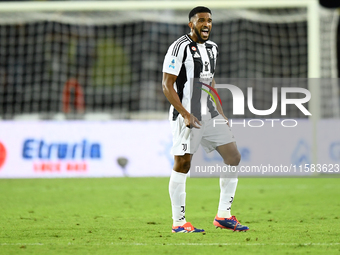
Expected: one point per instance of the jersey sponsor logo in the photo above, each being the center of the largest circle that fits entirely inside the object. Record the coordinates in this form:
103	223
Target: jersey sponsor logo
196	55
3	154
206	76
193	48
172	64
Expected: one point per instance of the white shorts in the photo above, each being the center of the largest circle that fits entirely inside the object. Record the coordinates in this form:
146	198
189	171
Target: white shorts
208	135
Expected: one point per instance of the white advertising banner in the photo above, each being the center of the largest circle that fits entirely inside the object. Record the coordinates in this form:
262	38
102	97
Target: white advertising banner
329	142
142	148
267	149
84	149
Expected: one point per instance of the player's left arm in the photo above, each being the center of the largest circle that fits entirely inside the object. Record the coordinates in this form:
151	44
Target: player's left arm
218	104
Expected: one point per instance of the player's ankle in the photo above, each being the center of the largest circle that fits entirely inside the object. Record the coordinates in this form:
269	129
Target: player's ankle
223	214
179	223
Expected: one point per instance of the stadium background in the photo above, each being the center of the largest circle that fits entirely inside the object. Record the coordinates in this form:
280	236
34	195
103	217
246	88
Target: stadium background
115	57
75	80
81	96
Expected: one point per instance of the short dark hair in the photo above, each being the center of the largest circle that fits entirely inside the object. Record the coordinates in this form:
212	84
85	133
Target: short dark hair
198	9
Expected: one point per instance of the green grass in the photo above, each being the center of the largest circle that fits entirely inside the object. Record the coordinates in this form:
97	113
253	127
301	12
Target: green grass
133	216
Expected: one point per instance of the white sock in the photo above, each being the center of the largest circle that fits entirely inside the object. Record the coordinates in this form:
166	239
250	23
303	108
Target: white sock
228	189
177	196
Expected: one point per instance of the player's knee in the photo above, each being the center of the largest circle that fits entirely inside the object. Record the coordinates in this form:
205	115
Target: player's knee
185	165
182	165
234	160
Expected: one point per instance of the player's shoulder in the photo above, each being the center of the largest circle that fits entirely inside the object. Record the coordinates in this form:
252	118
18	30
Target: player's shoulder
179	44
184	39
212	43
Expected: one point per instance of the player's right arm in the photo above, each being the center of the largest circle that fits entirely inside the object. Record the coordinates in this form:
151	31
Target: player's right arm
170	93
172	65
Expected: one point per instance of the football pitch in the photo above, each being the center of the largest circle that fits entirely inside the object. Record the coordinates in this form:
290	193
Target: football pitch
133	216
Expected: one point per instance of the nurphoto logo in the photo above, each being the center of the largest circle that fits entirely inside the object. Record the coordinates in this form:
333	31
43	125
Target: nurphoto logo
239	104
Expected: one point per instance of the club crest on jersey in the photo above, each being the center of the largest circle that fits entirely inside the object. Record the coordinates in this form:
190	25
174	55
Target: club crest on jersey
193	48
172	64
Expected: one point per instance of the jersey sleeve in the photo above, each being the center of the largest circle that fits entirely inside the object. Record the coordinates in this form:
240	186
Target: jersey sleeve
174	59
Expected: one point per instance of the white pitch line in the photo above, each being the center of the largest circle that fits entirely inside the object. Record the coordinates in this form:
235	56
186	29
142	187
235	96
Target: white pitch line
21	244
226	244
184	244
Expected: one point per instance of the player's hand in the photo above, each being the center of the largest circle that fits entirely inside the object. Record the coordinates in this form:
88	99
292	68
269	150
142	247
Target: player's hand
191	121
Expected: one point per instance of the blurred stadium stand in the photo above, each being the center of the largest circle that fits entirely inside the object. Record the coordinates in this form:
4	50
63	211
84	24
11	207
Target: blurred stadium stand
107	65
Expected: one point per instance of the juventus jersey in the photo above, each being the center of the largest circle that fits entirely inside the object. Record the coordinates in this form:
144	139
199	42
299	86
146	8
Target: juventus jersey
192	63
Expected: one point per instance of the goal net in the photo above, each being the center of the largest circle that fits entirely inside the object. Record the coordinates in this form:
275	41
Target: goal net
73	64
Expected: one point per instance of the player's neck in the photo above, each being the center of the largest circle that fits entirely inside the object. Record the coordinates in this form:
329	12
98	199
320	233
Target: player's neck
195	38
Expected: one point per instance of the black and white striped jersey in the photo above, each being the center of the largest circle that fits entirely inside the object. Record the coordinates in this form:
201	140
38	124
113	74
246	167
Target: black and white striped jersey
192	62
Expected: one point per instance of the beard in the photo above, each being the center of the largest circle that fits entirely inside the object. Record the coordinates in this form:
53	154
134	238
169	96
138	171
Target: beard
200	39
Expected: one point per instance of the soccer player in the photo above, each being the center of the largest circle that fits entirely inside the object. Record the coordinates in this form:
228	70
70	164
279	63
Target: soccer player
194	56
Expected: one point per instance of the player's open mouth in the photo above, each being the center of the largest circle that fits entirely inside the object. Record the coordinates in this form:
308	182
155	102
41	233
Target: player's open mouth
205	32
